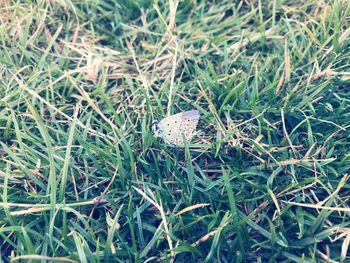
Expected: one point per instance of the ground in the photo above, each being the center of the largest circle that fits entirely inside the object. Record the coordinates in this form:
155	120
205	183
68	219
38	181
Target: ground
265	179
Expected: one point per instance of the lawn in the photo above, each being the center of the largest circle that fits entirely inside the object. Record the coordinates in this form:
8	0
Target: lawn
266	177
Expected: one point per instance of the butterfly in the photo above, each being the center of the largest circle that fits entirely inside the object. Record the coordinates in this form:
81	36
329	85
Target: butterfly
172	128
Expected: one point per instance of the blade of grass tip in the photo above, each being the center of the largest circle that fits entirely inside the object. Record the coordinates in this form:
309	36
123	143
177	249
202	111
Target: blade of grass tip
98	249
24	37
261	18
328	232
230	195
157	235
51	189
28	242
164	221
49	46
24	237
310	135
300	217
64	225
233	91
273	175
145	135
91	255
344	248
272	229
19	162
233	208
184	247
226	67
266	233
287	65
326	257
140	228
43	18
132	229
120	165
86	236
336	26
8	127
79	246
216	240
52	225
142	76
286	133
18	133
84	225
114	227
127	150
275	201
11	229
4	196
274	13
190	208
109	104
64	173
189	170
161	18
172	15
294	258
324	214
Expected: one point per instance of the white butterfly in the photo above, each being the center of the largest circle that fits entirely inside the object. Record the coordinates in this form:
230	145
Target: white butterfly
171	128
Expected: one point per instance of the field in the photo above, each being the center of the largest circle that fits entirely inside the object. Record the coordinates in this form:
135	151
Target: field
265	179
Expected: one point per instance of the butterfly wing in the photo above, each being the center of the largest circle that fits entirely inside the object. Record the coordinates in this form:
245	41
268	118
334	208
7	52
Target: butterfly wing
174	126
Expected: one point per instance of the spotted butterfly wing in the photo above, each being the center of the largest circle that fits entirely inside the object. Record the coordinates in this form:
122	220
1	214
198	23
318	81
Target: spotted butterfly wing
174	126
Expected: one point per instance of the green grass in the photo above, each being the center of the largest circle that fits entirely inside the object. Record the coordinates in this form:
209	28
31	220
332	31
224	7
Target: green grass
82	179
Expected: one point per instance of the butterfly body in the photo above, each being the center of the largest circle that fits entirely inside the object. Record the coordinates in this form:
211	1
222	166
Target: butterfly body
172	129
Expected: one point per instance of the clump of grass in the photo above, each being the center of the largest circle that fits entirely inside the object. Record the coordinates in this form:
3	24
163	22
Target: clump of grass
83	180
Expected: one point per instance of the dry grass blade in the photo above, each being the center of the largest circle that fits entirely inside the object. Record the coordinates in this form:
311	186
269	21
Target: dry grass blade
172	80
190	208
286	133
47	259
338	209
172	15
287	66
345	247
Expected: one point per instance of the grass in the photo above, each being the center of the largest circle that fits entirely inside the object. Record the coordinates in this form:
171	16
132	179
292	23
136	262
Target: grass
82	179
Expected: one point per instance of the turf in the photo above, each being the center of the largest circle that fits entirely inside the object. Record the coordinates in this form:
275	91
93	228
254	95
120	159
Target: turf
266	179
